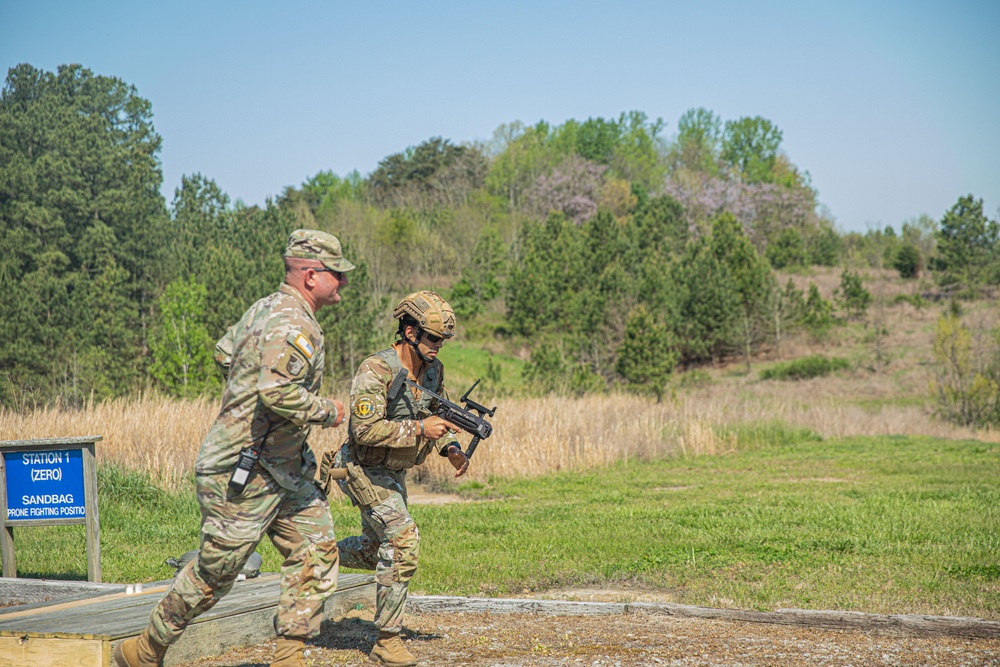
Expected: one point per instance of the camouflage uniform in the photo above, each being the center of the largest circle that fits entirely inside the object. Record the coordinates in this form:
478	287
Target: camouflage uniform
274	363
384	439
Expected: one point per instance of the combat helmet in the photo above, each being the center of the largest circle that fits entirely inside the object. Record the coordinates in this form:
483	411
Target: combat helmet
429	311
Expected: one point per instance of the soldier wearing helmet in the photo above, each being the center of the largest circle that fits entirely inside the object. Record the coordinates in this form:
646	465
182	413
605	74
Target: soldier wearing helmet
390	432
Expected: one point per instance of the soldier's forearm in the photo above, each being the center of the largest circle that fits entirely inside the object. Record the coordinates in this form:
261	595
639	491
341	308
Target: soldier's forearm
386	433
297	405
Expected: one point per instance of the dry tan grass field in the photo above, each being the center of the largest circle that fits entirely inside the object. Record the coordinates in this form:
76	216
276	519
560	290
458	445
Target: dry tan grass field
535	436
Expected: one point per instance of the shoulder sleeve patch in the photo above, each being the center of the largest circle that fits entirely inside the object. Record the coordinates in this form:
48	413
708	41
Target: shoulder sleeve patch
301	343
292	365
364	407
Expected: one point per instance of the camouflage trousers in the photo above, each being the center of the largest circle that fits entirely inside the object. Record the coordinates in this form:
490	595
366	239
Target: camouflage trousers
389	543
300	527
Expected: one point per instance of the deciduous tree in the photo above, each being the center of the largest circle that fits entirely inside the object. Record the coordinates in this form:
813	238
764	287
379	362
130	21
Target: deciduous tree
181	347
751	145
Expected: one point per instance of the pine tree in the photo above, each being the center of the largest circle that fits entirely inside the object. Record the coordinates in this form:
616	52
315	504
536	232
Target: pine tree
647	356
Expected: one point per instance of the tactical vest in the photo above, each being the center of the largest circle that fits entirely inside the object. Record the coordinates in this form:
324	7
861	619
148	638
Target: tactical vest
403	407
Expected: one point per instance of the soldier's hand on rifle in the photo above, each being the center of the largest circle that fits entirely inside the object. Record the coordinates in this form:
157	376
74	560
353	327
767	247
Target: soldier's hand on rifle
435	427
458	459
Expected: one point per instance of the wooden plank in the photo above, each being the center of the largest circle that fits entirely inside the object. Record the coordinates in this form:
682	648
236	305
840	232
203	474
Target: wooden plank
7	539
47	591
41	652
120	615
24	523
51	443
96	604
207	638
81	635
901	624
91	514
7	556
430	604
908	624
89	602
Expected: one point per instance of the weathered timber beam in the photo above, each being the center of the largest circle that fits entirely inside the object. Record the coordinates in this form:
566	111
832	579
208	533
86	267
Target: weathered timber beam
899	624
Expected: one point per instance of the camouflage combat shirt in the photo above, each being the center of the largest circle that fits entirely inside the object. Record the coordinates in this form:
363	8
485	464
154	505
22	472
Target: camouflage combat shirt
273	358
387	432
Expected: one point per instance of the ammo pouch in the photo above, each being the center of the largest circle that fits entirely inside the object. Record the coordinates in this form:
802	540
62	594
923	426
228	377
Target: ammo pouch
364	494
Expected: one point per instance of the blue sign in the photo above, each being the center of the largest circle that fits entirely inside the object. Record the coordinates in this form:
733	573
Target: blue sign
45	485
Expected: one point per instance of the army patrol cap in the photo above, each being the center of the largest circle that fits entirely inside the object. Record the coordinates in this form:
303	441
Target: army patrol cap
432	313
314	244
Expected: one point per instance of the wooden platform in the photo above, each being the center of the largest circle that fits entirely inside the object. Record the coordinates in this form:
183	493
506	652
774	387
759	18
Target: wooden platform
82	632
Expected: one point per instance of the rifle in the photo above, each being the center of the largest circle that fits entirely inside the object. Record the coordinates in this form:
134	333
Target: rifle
465	418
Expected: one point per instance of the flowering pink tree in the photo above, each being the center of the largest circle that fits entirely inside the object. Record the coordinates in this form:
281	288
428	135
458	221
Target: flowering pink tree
573	188
763	209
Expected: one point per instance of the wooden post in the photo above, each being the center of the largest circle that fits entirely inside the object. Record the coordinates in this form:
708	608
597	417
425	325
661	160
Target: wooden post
44	512
7	534
93	520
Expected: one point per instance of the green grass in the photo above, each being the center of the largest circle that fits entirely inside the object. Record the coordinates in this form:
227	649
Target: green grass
879	524
802	369
466	362
891	525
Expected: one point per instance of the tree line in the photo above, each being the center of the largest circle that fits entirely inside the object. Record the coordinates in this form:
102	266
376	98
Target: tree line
610	251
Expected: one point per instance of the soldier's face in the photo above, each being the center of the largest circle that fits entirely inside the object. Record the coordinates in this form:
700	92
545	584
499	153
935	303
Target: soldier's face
428	345
326	285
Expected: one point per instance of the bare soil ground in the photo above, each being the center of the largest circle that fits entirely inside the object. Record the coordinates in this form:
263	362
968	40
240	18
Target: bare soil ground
523	640
419	495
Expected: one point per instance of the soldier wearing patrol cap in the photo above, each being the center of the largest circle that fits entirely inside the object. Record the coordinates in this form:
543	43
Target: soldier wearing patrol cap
273	361
393	428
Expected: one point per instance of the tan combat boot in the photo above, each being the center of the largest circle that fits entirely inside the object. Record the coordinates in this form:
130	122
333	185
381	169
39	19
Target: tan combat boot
389	650
139	651
288	652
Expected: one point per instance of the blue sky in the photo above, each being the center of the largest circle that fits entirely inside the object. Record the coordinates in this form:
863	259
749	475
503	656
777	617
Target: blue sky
893	107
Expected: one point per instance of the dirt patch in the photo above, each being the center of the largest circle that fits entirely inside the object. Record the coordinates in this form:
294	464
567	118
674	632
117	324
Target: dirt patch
418	495
528	640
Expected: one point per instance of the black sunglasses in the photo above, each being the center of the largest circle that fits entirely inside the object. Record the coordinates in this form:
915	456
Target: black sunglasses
432	338
336	274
